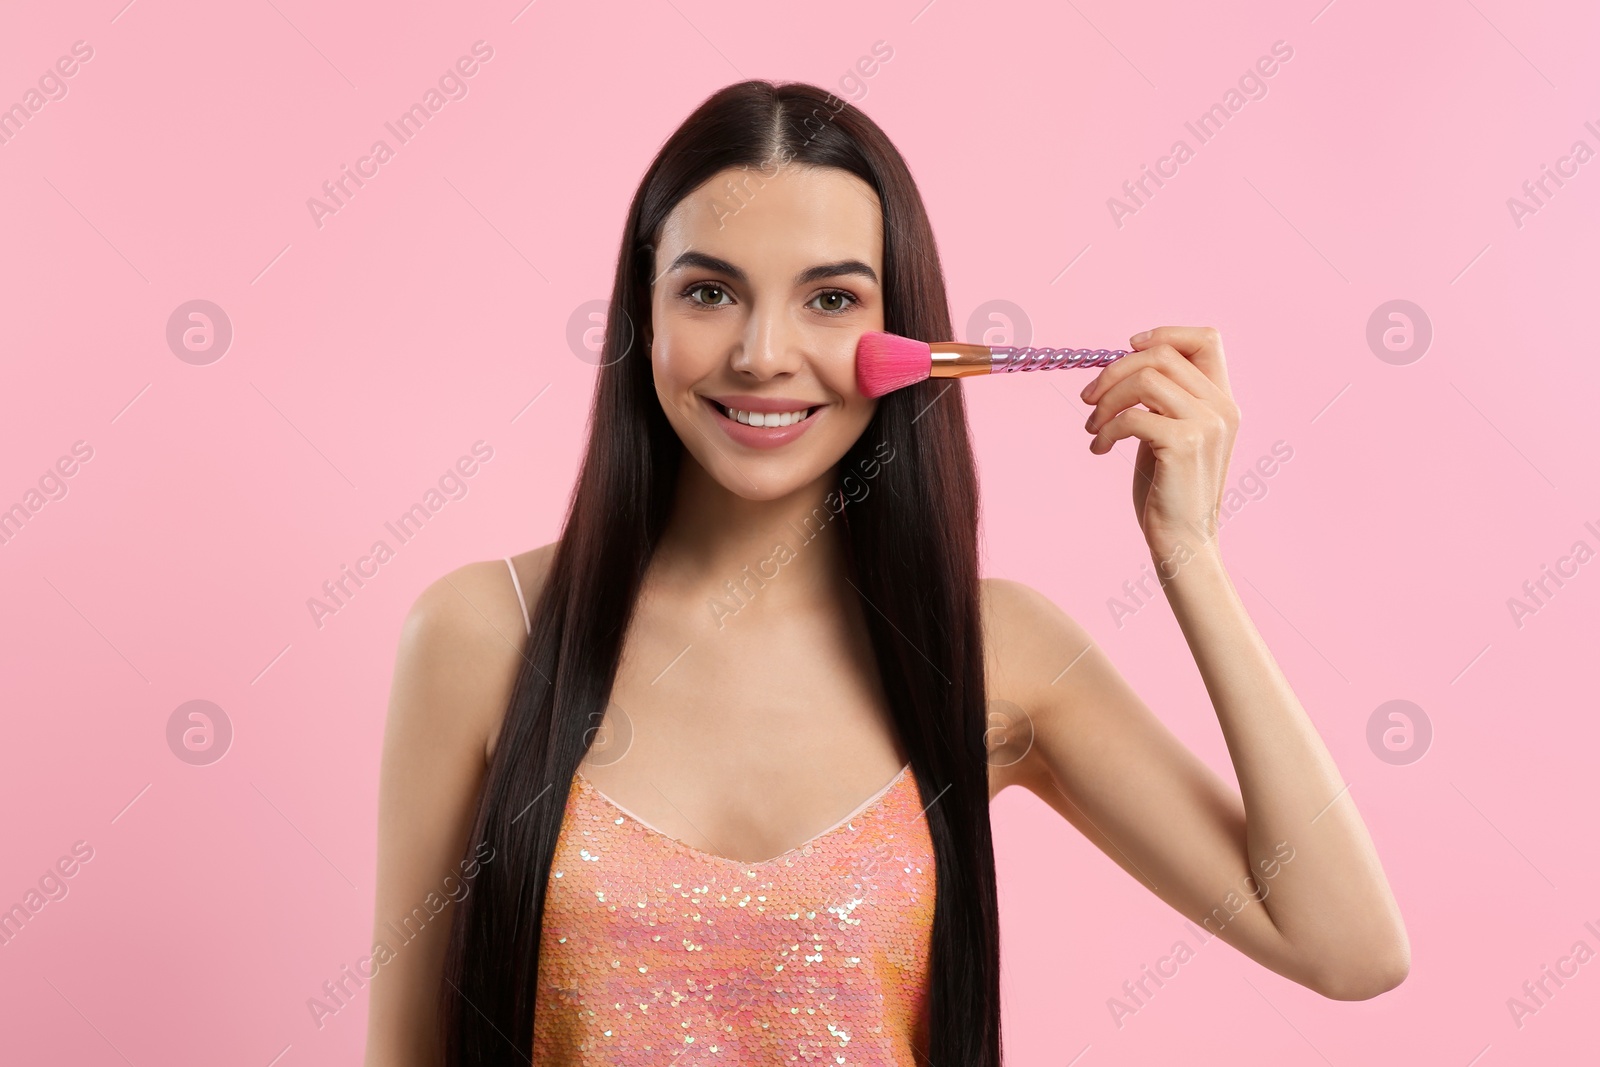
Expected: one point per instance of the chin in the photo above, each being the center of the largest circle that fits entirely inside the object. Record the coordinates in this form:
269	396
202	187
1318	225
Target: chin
766	481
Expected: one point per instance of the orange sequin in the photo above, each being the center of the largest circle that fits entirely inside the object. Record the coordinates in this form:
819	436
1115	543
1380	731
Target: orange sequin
653	951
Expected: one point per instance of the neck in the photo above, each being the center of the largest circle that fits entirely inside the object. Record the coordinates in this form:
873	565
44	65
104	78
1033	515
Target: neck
790	548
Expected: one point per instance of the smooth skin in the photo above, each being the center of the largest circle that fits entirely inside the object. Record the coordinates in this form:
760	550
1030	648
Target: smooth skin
747	733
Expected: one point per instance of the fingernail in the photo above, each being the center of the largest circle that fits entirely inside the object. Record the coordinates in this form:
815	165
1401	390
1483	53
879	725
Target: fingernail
1140	338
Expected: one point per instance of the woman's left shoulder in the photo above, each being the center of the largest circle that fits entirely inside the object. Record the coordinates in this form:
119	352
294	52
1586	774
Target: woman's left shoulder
1029	644
1019	622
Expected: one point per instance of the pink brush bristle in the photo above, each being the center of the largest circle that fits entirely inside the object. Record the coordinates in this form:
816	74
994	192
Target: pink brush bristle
886	362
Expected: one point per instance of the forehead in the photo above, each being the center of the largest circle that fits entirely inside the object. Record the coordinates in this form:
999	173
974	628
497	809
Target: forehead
797	215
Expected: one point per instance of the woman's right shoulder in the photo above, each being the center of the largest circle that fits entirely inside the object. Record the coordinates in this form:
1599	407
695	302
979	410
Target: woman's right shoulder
461	645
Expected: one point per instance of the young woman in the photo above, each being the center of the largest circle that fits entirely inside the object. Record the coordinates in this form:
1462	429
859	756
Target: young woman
707	779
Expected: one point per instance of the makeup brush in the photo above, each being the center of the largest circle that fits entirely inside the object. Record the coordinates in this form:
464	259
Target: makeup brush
886	362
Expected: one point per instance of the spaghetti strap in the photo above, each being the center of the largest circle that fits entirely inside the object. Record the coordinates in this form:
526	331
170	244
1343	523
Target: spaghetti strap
521	601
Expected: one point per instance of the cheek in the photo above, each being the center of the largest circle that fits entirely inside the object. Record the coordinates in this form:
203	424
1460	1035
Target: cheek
676	362
836	366
684	353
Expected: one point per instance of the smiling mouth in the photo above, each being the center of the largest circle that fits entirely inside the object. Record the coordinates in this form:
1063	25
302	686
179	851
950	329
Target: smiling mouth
763	419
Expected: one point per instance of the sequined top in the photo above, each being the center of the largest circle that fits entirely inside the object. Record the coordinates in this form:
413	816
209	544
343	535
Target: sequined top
653	951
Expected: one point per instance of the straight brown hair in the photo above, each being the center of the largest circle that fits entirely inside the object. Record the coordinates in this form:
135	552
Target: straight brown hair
913	558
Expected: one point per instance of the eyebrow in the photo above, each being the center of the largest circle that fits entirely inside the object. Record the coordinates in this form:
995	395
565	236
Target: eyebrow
810	274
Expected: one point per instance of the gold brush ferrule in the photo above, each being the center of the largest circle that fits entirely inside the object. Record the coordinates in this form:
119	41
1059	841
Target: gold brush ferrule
954	359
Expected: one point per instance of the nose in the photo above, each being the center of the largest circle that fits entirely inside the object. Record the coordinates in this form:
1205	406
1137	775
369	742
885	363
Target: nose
772	346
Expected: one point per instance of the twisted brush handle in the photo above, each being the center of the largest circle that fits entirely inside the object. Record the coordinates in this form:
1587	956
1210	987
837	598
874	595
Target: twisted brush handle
1005	359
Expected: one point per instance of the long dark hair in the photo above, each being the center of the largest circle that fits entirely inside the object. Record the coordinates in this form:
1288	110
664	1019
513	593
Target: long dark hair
913	557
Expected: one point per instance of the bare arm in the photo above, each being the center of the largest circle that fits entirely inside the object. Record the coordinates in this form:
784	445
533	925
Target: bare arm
1332	905
1286	872
459	649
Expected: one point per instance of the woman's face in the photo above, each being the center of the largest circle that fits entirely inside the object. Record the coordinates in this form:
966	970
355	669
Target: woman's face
763	286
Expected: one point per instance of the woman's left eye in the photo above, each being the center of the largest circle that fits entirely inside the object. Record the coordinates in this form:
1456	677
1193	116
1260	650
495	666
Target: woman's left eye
834	301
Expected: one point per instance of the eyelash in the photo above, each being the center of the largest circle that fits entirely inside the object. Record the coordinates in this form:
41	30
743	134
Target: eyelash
687	295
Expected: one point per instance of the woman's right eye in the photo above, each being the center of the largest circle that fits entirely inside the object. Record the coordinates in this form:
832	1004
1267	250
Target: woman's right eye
715	290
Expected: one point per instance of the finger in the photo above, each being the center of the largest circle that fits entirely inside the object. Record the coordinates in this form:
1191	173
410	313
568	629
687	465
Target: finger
1164	358
1201	345
1150	387
1160	430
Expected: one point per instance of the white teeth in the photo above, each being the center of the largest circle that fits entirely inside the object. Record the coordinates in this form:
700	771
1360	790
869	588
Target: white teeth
767	418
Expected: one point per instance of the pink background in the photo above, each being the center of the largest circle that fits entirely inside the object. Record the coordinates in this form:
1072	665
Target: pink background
368	354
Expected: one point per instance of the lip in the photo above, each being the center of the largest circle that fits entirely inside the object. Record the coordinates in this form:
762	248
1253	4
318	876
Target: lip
762	436
764	404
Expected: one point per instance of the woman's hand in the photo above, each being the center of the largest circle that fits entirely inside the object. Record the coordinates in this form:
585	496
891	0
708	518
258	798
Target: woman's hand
1185	437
